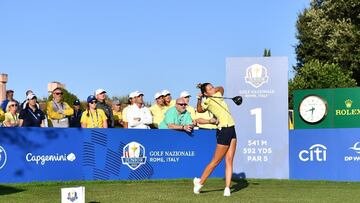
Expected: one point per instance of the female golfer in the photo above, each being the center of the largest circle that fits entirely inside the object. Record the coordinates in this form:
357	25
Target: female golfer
225	134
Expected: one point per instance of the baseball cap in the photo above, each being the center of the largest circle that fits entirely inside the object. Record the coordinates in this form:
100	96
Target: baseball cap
30	96
116	102
76	102
138	93
132	94
185	94
90	98
157	95
99	91
8	91
165	92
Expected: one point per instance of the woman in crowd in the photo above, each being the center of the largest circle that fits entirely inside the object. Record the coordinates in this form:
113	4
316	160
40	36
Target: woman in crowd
11	115
93	117
31	116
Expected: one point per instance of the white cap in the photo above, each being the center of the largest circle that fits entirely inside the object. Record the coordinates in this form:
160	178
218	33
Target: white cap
185	94
138	93
157	95
135	94
99	91
30	96
165	92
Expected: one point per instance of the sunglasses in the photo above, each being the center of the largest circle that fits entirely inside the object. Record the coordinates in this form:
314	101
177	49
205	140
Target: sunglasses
58	93
93	102
13	105
182	104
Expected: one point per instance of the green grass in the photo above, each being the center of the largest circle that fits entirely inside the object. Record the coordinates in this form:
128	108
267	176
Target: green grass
251	190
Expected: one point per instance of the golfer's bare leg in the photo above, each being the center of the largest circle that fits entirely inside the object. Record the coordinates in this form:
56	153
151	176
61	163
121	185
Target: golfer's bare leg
229	159
218	156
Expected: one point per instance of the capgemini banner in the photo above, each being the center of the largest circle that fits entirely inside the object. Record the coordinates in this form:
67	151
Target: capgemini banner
63	154
262	119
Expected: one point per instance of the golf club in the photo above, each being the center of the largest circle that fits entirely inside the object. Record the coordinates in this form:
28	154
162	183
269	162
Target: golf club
237	99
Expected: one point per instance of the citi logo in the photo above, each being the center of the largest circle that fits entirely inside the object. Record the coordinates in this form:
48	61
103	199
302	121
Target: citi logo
316	152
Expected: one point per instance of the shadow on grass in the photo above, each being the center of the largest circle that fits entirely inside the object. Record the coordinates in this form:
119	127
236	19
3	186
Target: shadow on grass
6	190
240	183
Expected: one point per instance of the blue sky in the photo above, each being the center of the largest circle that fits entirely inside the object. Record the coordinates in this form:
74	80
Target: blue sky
145	45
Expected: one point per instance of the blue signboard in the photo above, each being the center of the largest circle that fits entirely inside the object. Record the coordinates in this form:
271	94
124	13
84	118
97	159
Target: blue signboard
325	154
49	154
261	121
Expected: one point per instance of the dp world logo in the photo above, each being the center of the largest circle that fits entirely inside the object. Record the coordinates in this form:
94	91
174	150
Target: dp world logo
256	75
133	155
3	157
356	147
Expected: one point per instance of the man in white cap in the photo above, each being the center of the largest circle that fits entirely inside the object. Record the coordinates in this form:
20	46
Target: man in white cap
124	111
138	115
168	102
100	95
157	109
190	109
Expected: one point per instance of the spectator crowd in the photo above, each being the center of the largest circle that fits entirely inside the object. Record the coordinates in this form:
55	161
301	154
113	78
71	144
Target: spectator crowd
164	113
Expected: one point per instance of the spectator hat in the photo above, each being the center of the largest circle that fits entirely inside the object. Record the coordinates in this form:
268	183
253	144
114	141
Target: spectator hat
91	98
185	94
157	95
76	102
165	92
99	91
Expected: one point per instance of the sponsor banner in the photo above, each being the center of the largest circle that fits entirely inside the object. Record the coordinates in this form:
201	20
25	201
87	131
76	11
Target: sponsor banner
50	154
261	121
325	154
137	154
40	154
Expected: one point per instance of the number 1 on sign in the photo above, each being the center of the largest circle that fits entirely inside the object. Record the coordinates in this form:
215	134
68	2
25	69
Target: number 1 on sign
258	119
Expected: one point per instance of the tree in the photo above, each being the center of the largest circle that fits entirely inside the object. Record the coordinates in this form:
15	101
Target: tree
329	31
267	53
317	75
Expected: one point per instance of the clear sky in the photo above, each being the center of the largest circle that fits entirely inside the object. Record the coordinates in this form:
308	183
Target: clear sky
146	45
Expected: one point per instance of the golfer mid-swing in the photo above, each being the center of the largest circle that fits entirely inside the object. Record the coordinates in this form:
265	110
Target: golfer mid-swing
225	134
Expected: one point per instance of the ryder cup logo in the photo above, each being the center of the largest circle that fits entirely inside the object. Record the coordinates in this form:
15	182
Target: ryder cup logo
72	196
256	75
3	157
133	155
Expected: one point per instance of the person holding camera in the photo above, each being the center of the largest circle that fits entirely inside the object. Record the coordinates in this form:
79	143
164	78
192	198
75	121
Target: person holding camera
225	134
177	117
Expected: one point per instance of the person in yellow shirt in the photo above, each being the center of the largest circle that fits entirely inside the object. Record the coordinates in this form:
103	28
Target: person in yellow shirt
118	119
11	115
225	134
2	115
168	101
157	110
58	110
93	117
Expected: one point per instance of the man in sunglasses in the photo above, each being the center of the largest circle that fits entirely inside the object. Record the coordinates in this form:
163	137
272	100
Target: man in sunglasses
177	117
58	111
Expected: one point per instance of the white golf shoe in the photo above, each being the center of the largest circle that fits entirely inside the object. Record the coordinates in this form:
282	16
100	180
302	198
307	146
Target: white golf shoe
197	185
227	192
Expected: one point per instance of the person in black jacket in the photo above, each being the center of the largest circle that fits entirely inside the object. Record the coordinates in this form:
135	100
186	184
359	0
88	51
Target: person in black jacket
75	118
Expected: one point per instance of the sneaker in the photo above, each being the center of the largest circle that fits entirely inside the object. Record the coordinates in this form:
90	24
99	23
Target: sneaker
197	185
227	192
